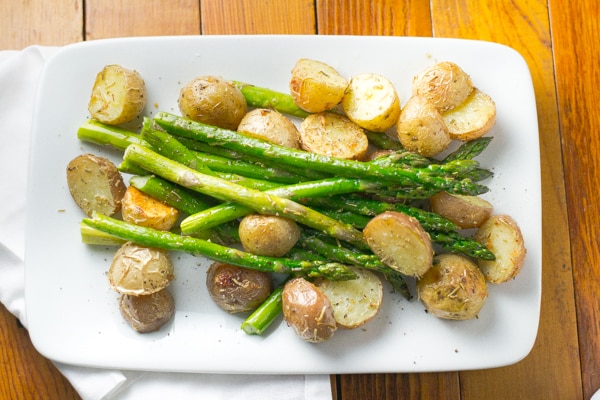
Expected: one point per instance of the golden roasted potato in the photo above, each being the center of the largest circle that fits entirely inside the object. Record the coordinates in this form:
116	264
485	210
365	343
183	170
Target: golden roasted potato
236	289
333	135
141	209
355	302
95	184
316	86
471	119
118	95
400	242
147	313
421	128
271	126
445	85
454	288
465	211
212	100
138	270
503	237
308	310
371	102
268	235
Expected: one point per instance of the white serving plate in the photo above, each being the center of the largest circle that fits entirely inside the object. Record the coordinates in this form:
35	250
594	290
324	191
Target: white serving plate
73	314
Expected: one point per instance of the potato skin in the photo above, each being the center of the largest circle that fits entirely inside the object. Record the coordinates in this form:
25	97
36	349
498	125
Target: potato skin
236	289
140	209
212	100
271	126
268	235
465	211
454	288
308	311
147	313
445	85
316	86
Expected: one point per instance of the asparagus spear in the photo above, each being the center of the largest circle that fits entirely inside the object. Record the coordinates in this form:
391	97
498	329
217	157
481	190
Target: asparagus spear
260	97
265	314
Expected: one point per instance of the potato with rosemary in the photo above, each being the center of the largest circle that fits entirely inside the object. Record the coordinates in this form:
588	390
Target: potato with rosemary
465	211
316	86
271	126
444	84
141	209
147	313
471	119
268	235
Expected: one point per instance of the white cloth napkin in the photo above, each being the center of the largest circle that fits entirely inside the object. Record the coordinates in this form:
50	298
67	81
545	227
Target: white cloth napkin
19	73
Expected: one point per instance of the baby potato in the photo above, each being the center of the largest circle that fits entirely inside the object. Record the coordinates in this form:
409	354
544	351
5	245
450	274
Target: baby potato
138	270
95	184
400	242
141	209
212	100
421	128
271	126
236	289
472	118
454	288
371	102
268	235
307	310
465	211
147	313
316	86
503	237
355	302
118	95
445	85
333	135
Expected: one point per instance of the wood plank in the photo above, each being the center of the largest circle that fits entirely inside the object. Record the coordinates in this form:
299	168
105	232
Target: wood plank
25	23
122	18
552	368
575	36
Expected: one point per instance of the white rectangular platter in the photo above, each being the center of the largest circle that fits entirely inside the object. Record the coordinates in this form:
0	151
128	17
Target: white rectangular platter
73	315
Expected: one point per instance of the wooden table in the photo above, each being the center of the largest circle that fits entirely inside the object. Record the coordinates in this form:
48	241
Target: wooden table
559	40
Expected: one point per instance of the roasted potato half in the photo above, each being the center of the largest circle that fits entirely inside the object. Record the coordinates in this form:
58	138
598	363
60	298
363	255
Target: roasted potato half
268	235
141	209
371	102
333	135
271	126
445	85
454	288
421	128
400	242
236	289
472	118
95	184
316	86
465	211
355	302
147	313
212	100
118	95
308	311
503	237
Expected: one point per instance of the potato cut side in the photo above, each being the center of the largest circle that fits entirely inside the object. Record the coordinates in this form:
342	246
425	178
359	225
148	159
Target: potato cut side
445	85
271	126
141	209
400	242
333	135
465	211
355	302
371	102
316	86
118	95
471	119
503	237
95	184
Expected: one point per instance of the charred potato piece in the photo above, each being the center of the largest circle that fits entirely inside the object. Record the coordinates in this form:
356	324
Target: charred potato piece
465	211
355	302
95	184
268	235
271	126
308	310
141	209
401	242
147	313
316	86
118	95
445	85
454	288
371	102
138	270
503	237
421	128
236	289
471	119
213	101
333	135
